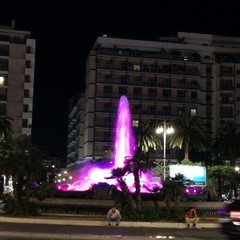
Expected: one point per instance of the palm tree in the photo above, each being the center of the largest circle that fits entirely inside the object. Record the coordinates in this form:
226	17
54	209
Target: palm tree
226	143
188	134
119	174
139	163
5	127
172	190
147	137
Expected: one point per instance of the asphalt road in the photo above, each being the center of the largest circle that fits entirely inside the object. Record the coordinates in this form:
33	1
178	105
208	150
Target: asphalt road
19	231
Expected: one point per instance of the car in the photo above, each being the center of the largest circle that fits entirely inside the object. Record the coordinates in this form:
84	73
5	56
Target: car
230	218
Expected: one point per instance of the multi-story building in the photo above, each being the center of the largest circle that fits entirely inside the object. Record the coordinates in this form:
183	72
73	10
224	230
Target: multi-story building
75	122
162	79
17	66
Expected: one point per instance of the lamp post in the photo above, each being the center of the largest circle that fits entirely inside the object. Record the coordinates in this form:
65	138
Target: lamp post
165	130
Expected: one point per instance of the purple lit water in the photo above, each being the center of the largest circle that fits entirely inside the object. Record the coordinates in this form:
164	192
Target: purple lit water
124	139
94	173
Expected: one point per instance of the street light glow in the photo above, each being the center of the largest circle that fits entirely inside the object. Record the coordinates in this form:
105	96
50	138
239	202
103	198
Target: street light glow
165	130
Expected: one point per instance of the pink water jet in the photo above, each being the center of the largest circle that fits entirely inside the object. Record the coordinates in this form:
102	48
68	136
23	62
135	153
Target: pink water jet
94	173
124	139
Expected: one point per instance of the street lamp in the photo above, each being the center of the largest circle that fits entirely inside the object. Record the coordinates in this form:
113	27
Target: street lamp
165	130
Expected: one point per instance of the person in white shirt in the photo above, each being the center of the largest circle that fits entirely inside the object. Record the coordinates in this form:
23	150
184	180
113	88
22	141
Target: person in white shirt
113	215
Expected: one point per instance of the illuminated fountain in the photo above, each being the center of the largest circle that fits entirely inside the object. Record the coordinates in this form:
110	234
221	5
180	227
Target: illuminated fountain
95	173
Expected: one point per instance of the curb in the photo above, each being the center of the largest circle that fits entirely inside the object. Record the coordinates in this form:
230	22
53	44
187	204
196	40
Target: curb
78	222
82	237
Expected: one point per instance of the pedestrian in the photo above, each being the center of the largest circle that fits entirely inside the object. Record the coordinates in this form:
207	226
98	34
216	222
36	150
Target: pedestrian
113	215
191	217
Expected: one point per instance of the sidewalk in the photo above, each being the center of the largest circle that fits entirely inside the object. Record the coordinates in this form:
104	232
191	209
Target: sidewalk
99	220
83	220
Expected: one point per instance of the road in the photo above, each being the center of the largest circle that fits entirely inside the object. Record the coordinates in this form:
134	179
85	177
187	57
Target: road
19	231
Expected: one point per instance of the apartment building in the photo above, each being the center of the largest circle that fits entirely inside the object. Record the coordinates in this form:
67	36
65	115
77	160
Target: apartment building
17	64
162	79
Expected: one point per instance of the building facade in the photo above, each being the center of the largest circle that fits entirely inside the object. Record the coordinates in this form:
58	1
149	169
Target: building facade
17	66
162	79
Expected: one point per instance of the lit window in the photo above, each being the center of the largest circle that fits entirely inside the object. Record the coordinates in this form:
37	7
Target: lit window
1	80
193	112
136	67
135	123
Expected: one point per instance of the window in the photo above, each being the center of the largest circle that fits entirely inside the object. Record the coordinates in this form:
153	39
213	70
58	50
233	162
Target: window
180	110
193	111
208	84
25	123
166	110
194	95
138	78
3	94
152	81
137	91
181	94
136	67
2	80
137	107
108	76
27	78
123	79
29	49
152	109
135	123
26	93
152	92
167	82
107	106
194	82
208	97
226	70
181	81
28	64
166	93
226	112
107	89
122	90
2	108
209	69
25	108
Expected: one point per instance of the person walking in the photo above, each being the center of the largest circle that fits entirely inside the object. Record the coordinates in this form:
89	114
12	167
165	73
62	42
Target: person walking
191	217
113	215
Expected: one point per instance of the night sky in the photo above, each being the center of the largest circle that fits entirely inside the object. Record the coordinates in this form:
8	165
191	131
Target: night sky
66	32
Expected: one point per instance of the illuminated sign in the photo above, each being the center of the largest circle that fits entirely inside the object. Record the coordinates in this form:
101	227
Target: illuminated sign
194	175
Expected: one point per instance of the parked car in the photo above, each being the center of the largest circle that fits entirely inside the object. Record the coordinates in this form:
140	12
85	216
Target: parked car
230	218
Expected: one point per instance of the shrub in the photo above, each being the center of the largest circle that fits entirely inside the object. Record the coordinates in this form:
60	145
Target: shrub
147	213
26	208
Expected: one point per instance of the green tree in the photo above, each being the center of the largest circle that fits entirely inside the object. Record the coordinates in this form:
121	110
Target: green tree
222	178
225	144
172	190
146	136
22	161
32	156
188	134
5	127
138	164
118	174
